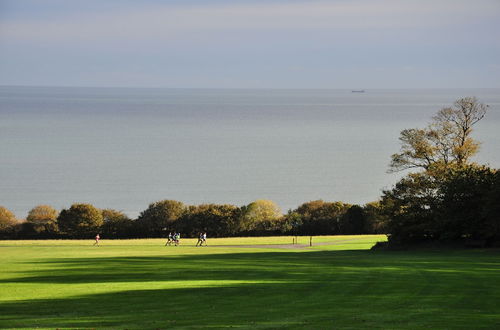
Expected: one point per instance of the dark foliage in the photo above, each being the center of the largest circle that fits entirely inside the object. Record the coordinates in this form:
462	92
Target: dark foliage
216	220
117	224
80	220
159	218
456	204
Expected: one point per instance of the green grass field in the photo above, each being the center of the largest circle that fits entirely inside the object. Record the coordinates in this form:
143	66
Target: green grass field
338	283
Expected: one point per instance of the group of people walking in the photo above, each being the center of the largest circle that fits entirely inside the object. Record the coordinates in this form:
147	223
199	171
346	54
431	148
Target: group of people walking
202	239
173	239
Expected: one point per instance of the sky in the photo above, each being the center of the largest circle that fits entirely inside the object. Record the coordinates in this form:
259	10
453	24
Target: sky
251	44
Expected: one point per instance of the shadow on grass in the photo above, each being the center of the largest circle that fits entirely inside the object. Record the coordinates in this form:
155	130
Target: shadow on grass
230	266
320	289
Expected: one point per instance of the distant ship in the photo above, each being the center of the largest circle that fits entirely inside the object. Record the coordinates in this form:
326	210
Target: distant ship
358	91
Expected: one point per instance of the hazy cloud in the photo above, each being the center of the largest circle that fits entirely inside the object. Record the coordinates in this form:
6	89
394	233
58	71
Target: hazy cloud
250	43
175	21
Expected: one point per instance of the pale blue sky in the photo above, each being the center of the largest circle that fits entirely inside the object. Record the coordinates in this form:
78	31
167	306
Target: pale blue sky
251	44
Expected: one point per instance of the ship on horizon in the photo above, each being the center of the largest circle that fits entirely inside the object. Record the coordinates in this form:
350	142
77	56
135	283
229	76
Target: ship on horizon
358	91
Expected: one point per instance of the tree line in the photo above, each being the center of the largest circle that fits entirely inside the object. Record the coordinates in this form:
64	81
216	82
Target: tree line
443	197
261	217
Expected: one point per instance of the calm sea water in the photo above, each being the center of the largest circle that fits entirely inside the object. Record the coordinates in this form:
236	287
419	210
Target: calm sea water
126	148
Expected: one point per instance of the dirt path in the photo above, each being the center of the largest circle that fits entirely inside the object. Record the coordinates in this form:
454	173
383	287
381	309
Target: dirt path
285	246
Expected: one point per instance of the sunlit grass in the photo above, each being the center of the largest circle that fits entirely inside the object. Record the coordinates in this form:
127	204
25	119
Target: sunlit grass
192	241
143	284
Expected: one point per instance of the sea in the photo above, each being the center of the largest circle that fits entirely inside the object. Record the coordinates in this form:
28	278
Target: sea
124	148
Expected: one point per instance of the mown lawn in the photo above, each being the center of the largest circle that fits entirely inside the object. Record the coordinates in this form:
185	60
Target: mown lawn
143	284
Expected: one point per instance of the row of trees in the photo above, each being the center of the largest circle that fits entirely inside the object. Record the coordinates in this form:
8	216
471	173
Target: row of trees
262	217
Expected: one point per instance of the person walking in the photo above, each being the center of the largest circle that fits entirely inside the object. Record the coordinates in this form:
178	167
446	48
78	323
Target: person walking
169	239
200	240
97	238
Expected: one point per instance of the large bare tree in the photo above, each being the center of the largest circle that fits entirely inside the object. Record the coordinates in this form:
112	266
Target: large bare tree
445	141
